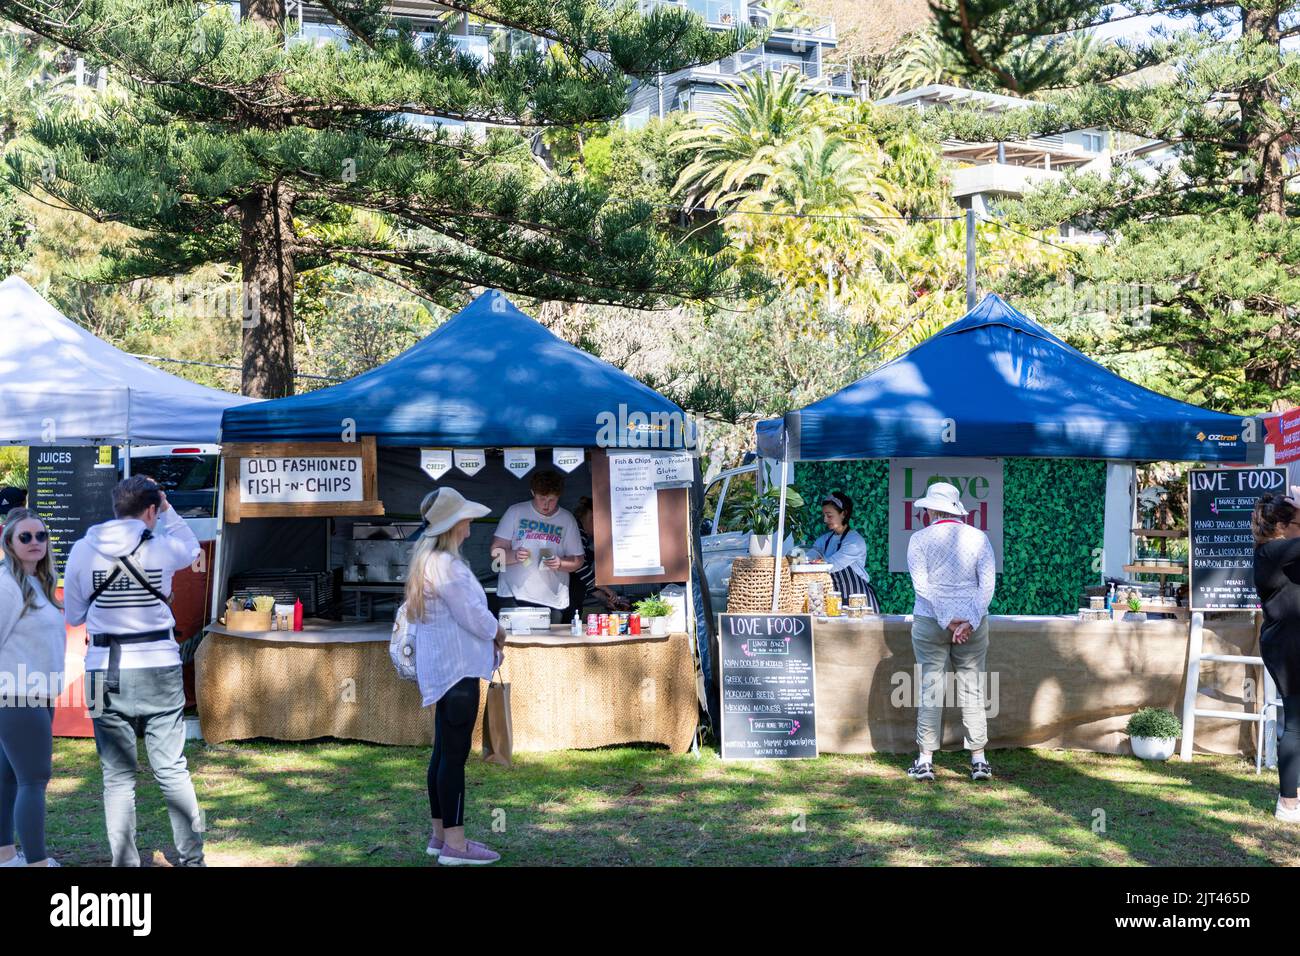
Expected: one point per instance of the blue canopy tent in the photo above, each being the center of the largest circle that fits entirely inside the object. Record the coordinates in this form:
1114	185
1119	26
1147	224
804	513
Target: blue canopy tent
997	384
994	384
489	376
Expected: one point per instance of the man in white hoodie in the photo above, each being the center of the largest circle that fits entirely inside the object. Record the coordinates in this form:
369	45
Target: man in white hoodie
118	581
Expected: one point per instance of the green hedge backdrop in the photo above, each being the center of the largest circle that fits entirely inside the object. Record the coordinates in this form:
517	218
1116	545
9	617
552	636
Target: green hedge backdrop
1052	529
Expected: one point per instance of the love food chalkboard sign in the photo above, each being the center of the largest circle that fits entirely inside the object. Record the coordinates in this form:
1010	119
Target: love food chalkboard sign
1222	555
768	687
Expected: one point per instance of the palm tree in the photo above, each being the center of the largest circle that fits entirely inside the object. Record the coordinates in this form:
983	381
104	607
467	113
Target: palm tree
823	217
733	150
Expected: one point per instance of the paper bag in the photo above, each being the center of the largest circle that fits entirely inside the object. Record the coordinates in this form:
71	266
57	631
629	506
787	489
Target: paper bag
498	740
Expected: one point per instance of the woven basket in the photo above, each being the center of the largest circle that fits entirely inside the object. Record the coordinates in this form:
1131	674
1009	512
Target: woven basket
750	591
798	590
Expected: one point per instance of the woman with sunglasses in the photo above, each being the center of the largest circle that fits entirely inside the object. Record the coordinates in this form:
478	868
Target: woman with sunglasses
31	677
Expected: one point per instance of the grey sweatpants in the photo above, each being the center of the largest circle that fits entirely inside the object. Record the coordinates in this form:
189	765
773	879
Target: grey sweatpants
149	704
936	654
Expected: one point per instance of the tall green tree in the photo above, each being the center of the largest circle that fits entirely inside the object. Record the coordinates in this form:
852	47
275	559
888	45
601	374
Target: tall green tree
238	145
1208	233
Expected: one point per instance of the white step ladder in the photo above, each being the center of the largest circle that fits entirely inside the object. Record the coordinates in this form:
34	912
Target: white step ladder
1265	718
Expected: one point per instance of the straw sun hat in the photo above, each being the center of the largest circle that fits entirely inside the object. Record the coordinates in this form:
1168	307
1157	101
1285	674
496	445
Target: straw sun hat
944	497
449	507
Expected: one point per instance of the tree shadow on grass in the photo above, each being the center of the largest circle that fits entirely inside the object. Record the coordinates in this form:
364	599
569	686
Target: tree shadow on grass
332	803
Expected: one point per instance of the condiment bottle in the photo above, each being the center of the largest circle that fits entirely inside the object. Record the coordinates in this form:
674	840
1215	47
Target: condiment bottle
297	614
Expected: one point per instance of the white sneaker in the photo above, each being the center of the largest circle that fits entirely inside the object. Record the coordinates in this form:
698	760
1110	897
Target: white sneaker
1287	816
16	860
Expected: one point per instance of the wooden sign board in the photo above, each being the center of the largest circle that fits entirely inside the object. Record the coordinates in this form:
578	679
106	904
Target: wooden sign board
300	479
664	556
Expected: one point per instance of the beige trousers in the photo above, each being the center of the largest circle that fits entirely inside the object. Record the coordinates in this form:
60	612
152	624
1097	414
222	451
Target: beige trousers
937	654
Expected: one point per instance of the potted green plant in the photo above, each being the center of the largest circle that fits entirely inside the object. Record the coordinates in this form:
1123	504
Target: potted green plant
1134	612
759	515
656	610
1152	732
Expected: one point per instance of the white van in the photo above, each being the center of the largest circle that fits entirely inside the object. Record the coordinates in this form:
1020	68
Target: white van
720	544
188	474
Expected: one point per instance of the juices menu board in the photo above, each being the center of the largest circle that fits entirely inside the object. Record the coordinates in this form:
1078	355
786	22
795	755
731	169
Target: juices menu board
1222	546
71	488
768	687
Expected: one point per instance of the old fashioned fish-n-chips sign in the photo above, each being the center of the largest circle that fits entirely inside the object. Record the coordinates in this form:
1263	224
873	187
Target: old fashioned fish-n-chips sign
300	479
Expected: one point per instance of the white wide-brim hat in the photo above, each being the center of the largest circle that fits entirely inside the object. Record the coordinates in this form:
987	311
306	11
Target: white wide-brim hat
944	497
449	508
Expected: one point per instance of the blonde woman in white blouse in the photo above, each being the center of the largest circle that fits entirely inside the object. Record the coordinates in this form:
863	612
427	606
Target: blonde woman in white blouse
457	643
31	677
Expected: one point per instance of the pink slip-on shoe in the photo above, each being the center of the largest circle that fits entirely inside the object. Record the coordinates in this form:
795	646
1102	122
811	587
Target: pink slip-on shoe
474	854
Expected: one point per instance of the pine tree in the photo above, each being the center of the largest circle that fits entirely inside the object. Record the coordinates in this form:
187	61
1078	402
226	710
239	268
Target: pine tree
238	145
1209	236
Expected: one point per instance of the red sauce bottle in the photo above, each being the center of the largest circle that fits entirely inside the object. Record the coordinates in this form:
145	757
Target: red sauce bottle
297	614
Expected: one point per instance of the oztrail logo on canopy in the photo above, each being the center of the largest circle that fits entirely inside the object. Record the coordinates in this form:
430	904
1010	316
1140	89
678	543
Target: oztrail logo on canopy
637	429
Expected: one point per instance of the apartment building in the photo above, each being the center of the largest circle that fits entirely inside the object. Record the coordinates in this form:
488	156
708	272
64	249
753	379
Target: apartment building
802	46
984	173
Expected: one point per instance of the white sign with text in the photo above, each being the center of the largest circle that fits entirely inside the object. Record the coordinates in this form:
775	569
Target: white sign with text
520	461
289	480
978	479
634	515
567	459
436	462
470	461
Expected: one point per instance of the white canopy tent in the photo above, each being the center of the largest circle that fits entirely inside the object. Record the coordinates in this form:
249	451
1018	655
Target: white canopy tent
60	385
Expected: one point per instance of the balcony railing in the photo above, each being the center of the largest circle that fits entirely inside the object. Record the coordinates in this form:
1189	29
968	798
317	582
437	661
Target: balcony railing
808	26
717	12
818	74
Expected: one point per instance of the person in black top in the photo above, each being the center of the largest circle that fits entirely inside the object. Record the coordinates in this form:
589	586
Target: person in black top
1276	526
583	583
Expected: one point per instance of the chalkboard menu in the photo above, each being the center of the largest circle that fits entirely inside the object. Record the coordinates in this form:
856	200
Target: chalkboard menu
768	690
71	488
1222	546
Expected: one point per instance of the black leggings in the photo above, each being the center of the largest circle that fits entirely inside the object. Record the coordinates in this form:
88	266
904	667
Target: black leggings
453	728
1288	748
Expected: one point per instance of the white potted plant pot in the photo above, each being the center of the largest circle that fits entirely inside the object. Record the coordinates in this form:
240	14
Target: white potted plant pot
658	626
1153	748
762	545
1152	733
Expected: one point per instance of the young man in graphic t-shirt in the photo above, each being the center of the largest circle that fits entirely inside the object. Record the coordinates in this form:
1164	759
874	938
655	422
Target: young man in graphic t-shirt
538	545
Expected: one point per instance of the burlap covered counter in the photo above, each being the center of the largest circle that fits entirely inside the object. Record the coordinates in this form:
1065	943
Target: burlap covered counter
565	692
1055	682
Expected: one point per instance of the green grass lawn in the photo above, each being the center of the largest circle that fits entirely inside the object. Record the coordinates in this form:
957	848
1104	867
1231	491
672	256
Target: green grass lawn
348	804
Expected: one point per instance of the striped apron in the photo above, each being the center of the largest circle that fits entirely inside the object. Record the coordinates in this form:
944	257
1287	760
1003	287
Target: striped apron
846	580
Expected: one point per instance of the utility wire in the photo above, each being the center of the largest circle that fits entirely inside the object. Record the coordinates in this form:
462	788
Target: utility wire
1002	225
862	217
233	368
812	215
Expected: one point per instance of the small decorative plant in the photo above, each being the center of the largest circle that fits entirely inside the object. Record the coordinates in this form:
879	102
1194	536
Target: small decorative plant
759	513
653	607
1134	603
1155	723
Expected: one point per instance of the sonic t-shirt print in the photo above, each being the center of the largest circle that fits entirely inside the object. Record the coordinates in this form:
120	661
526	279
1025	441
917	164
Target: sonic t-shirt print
524	527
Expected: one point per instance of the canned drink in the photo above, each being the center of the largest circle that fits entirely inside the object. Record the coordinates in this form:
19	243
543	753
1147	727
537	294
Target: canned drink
593	622
624	624
635	624
602	624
